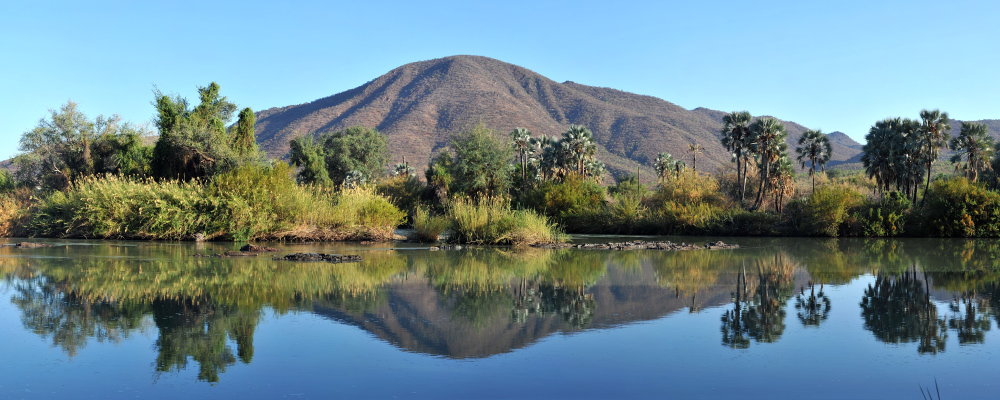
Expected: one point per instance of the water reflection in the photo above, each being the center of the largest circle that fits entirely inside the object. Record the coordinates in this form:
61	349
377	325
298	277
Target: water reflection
482	302
758	311
898	309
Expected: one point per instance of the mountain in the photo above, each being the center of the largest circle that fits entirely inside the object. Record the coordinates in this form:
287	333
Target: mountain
419	105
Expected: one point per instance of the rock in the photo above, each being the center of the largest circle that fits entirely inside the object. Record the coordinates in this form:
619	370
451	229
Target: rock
450	247
435	248
199	237
257	249
229	254
640	245
334	258
29	245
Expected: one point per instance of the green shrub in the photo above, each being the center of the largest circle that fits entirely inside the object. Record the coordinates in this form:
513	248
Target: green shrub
885	218
747	223
403	191
959	208
427	227
824	212
573	202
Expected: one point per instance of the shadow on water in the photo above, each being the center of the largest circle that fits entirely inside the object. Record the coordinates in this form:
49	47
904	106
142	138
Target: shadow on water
481	302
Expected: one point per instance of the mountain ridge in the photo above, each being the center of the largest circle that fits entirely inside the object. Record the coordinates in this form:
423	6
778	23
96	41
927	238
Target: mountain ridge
419	105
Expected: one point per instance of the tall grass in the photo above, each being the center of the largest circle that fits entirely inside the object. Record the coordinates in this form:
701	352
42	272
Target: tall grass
491	221
427	227
244	204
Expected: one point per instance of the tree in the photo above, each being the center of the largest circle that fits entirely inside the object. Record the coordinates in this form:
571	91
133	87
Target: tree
480	165
193	143
578	145
933	132
244	136
892	155
695	149
767	138
68	145
360	149
524	146
305	153
814	147
664	165
736	138
975	146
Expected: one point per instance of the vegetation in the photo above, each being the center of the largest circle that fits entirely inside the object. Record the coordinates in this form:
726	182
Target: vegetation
81	178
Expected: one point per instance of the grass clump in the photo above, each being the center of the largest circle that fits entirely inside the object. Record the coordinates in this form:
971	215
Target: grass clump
427	227
490	220
825	211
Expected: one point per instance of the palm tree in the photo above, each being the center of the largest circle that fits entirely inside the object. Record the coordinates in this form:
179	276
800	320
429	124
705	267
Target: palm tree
767	143
975	146
782	179
815	148
578	144
524	146
892	155
664	164
933	134
736	139
695	149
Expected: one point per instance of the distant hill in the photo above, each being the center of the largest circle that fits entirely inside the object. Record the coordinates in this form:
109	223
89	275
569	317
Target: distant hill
419	105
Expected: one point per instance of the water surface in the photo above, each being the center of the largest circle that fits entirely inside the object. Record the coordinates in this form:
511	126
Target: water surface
777	318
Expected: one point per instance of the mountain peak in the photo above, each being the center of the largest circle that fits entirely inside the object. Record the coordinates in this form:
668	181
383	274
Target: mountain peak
420	104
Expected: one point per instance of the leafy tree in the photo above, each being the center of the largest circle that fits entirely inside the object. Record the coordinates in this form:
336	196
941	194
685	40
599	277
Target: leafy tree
975	146
933	132
480	165
360	149
244	136
737	139
68	145
578	145
573	153
193	143
814	147
767	138
305	153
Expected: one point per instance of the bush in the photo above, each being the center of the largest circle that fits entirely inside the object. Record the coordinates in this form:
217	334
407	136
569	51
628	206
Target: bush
427	227
491	221
574	202
403	191
824	212
959	208
885	218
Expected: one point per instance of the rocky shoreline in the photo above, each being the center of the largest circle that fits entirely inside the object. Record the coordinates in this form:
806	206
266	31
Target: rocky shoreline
640	245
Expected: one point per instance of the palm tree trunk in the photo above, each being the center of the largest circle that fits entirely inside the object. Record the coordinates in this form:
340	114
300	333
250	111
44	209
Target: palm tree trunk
926	186
763	185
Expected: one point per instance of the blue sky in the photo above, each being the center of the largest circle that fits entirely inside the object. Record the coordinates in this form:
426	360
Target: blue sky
829	65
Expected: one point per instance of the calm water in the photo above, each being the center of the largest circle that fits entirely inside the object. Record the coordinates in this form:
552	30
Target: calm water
778	318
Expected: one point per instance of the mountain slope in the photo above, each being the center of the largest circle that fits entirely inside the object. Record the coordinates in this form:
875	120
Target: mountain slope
419	105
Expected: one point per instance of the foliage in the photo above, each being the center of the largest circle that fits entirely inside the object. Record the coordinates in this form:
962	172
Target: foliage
825	210
427	227
490	220
193	143
364	151
244	135
572	201
403	191
736	138
974	145
480	167
815	149
893	155
885	218
243	204
768	145
307	155
959	208
68	146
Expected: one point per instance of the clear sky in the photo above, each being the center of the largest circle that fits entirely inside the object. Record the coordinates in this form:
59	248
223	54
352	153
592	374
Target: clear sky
834	65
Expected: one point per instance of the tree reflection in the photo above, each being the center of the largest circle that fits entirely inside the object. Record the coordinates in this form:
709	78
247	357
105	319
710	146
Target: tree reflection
758	312
71	320
812	309
897	309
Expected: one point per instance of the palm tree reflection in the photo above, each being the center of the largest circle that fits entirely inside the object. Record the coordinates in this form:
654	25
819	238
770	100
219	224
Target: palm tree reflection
758	312
897	309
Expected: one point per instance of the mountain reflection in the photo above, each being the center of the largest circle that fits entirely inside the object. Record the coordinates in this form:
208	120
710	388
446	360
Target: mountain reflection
484	301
